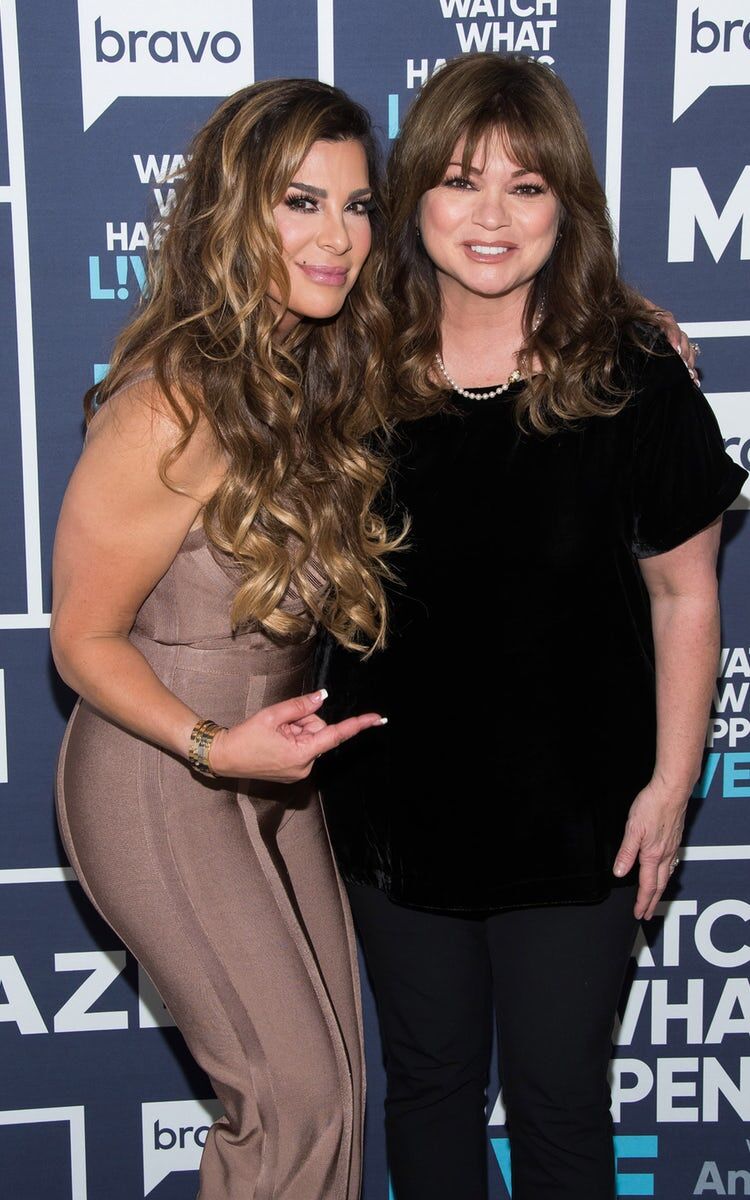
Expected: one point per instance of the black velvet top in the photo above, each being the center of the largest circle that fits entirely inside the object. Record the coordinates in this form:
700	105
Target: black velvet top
519	677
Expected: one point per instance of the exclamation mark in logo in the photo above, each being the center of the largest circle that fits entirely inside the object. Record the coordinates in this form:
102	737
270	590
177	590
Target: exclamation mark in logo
393	115
121	262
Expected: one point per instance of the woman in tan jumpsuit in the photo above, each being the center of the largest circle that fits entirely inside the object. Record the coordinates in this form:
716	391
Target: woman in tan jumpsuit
220	511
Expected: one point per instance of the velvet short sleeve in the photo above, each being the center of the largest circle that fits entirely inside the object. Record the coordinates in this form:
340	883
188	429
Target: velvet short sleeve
682	477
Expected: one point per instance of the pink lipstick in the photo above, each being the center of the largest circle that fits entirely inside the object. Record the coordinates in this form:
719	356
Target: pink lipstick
332	276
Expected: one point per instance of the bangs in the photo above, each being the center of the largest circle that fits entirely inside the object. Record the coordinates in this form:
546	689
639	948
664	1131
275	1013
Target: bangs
520	141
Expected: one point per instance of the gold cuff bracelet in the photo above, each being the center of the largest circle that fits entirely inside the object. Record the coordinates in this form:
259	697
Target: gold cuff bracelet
201	740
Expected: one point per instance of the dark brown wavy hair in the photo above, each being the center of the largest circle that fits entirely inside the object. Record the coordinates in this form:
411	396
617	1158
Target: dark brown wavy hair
291	415
586	309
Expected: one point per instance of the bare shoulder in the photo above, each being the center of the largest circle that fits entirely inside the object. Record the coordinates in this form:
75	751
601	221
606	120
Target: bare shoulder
142	426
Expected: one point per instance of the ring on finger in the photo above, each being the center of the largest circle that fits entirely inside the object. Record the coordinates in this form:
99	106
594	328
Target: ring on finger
695	347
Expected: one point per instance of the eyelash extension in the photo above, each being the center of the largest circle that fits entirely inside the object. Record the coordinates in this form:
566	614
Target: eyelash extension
529	189
296	201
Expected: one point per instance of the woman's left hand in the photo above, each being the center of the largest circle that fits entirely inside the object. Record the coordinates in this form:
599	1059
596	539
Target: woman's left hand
653	834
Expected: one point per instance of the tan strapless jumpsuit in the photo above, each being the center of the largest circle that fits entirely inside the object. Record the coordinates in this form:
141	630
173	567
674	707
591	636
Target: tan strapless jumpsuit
229	897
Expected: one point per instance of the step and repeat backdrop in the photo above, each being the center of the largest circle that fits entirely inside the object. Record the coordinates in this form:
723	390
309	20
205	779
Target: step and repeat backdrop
98	1097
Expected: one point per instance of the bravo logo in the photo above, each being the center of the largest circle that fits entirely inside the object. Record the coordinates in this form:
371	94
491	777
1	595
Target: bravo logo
712	48
173	48
174	1134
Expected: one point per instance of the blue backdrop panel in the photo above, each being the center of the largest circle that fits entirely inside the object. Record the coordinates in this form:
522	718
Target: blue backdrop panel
98	1097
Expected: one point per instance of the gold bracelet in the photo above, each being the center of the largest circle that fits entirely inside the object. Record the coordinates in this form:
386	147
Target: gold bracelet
201	739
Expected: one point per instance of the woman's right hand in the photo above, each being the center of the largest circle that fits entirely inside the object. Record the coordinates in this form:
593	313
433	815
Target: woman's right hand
280	743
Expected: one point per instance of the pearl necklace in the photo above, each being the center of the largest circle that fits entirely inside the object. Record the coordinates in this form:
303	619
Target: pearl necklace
514	377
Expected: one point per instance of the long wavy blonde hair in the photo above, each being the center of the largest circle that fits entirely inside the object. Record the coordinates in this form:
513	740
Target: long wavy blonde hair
586	310
292	416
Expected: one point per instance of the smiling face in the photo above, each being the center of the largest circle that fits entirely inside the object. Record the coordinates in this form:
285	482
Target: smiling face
491	230
324	227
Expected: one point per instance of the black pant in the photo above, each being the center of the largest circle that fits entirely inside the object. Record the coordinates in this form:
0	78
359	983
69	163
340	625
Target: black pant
555	974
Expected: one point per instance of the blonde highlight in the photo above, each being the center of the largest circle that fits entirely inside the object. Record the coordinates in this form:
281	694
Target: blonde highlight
295	418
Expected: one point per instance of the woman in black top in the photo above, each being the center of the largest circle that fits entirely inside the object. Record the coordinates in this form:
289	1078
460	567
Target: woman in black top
558	603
